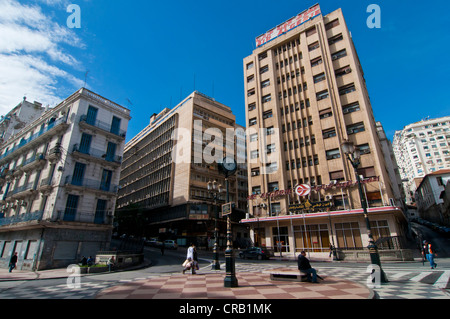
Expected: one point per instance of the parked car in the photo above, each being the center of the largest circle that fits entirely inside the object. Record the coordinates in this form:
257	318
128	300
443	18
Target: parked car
255	252
170	244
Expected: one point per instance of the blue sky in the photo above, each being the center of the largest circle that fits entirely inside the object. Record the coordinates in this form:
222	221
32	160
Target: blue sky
154	53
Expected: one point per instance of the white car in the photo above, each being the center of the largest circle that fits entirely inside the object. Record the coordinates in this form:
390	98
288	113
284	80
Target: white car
170	244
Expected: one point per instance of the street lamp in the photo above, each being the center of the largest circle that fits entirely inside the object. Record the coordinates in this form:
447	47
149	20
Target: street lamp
354	155
215	190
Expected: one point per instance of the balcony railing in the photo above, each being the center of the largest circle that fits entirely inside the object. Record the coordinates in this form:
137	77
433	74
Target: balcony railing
104	218
24	141
91	184
20	189
103	126
98	154
36	216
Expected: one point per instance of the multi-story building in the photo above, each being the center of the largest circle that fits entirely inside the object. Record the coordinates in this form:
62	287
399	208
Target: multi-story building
422	148
305	96
429	197
167	166
59	178
16	119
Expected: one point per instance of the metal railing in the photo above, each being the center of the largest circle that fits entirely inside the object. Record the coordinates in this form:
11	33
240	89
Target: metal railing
103	126
35	216
92	184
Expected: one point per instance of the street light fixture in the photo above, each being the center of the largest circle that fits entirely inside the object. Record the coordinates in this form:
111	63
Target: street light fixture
353	154
214	189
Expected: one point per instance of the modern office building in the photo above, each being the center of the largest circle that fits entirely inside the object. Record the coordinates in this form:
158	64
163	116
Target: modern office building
167	166
420	149
305	96
59	180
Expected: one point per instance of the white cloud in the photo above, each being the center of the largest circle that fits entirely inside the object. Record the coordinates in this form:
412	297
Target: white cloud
33	60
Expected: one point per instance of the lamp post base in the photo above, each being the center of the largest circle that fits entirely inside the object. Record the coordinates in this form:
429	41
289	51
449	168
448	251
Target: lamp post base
375	260
230	280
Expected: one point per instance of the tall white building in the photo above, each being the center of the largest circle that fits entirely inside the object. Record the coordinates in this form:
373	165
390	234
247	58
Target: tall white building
422	148
58	182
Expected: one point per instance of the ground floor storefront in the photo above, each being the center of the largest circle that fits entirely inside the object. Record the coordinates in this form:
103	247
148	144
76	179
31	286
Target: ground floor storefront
346	231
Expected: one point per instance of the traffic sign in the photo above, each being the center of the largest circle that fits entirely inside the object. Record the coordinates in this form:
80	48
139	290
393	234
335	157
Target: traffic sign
227	209
302	189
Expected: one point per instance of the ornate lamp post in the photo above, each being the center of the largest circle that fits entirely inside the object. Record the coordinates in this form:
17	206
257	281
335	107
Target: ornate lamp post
228	167
215	190
353	155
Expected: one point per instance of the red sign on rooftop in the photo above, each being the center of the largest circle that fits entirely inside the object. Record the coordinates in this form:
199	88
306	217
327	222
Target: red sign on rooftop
288	25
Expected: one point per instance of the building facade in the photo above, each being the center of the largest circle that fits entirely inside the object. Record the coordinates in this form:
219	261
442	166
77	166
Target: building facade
59	181
305	95
429	199
422	148
167	166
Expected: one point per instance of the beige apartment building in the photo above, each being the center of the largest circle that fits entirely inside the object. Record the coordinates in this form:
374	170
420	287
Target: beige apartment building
305	95
167	166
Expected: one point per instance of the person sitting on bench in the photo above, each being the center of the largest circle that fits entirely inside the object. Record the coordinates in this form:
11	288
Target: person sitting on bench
305	266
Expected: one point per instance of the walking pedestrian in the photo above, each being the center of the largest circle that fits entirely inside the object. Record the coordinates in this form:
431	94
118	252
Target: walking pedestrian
162	248
304	266
429	252
12	262
110	263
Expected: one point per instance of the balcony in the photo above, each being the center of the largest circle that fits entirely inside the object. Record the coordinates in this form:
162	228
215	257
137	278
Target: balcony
104	218
35	162
97	156
29	143
21	192
103	126
22	218
89	184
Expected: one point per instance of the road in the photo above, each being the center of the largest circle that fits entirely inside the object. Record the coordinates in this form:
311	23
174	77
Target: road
402	276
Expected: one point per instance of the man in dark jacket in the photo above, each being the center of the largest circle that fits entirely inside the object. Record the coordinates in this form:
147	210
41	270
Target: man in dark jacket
305	266
12	262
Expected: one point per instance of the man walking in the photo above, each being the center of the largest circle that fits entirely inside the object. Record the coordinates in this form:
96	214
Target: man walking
12	262
305	266
429	253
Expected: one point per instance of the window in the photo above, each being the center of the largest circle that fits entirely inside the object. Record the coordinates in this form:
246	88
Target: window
78	174
311	31
266	98
252	121
255	171
267	114
254	154
335	39
256	190
273	187
322	95
343	71
337	176
254	137
250	78
367	172
270	131
105	182
264	69
339	54
250	66
349	108
265	83
347	89
332	24
348	235
250	92
71	207
329	133
111	152
115	125
100	211
262	56
85	144
252	106
355	128
364	148
91	117
313	46
333	154
316	61
319	77
325	113
271	148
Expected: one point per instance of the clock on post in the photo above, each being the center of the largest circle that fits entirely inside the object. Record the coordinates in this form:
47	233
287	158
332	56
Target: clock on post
228	166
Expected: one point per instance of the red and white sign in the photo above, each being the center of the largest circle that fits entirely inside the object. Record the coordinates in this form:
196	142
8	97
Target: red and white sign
288	25
302	190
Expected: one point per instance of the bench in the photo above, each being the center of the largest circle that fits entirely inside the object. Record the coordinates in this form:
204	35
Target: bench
287	274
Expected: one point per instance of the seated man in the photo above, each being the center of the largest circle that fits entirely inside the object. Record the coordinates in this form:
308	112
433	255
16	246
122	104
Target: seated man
304	266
